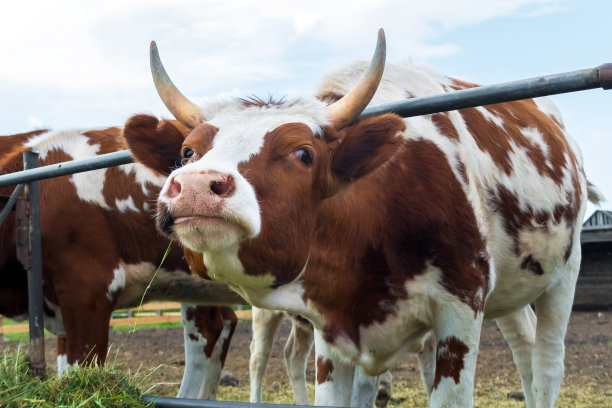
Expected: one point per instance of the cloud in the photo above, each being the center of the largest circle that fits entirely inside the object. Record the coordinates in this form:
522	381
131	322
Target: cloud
35	123
91	58
75	45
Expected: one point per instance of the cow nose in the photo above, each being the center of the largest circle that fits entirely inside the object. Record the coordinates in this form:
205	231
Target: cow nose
222	185
174	189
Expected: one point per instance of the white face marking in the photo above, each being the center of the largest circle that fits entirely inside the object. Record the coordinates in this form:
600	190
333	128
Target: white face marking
241	136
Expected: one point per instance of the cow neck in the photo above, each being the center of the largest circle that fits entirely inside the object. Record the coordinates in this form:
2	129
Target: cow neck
259	290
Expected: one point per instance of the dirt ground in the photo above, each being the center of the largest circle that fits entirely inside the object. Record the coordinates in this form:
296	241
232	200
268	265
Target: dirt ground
588	358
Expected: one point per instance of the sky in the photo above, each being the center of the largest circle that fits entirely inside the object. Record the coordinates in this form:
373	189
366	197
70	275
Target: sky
72	64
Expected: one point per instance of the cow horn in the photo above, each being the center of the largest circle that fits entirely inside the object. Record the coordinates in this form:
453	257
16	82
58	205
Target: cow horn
185	111
344	111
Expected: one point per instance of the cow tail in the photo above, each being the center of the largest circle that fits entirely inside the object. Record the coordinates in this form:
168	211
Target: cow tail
593	194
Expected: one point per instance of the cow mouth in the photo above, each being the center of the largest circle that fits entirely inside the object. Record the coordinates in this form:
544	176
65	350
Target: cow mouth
201	232
198	219
202	224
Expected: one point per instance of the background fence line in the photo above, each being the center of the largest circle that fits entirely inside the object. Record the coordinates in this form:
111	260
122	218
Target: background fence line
149	313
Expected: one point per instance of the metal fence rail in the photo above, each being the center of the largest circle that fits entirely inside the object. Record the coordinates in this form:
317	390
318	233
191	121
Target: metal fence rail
170	402
581	80
66	168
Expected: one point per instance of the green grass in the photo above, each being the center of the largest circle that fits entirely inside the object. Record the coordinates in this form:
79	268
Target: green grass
89	386
163	325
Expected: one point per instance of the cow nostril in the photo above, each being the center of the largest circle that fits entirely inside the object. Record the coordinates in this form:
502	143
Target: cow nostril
223	187
174	189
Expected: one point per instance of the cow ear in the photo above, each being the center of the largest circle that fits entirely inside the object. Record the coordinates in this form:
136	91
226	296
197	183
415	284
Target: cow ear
365	146
154	143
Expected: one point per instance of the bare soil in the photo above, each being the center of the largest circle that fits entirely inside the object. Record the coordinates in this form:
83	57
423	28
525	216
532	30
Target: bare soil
588	361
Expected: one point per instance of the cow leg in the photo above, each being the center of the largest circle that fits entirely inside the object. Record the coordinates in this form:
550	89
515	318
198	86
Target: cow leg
519	330
365	389
296	352
427	361
207	331
553	308
384	389
457	332
195	360
210	384
55	324
62	356
86	321
265	323
334	376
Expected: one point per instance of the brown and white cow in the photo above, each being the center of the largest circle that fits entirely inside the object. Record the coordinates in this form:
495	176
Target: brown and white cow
390	235
100	251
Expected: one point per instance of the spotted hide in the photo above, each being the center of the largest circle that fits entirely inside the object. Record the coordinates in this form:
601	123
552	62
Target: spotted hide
100	250
389	235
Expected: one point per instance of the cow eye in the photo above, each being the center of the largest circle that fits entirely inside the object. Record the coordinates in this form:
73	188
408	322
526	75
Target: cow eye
187	153
304	155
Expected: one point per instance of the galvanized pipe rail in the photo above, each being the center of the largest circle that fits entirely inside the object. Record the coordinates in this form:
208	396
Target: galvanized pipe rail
598	77
170	402
66	168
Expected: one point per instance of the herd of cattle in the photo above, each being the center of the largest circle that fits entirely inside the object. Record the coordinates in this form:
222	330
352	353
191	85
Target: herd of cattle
388	235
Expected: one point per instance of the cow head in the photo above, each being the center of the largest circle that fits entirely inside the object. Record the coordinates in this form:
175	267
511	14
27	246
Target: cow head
255	172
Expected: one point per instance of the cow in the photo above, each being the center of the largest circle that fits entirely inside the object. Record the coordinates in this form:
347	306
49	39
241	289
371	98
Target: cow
296	352
101	250
388	234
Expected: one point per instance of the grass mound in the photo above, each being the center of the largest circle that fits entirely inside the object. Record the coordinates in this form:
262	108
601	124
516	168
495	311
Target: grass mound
87	386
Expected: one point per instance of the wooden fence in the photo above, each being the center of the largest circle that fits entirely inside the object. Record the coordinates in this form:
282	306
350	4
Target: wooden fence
149	313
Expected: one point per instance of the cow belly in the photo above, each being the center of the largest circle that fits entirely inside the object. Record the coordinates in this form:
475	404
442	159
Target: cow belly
529	267
380	351
518	286
509	296
382	343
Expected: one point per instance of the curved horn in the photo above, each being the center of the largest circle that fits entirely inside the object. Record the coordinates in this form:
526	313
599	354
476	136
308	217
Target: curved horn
185	111
344	111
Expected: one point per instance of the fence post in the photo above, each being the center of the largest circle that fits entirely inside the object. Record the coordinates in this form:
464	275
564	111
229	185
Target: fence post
28	237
